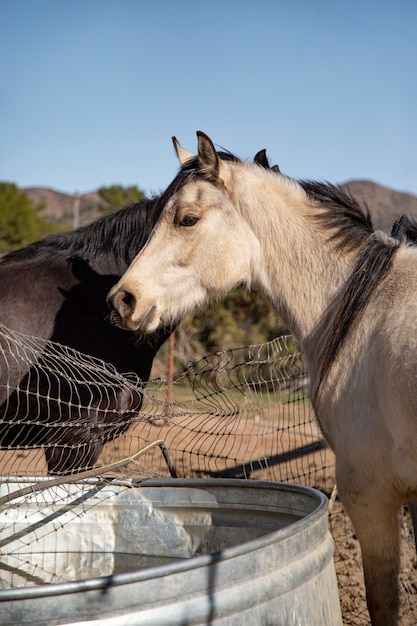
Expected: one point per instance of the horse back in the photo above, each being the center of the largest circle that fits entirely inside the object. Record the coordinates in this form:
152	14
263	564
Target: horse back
31	293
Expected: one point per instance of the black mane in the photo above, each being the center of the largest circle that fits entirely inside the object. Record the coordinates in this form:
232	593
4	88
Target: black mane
351	222
353	230
405	228
121	234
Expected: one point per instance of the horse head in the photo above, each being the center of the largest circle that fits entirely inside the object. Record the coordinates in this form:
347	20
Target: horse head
174	273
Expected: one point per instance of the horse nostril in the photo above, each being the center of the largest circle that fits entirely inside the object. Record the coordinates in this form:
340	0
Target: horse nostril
128	300
123	302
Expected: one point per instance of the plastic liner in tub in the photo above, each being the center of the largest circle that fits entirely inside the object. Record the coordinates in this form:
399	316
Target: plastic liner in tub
170	552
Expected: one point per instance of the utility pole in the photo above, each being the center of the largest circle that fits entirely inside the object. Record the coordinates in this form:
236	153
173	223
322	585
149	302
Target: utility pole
170	377
76	210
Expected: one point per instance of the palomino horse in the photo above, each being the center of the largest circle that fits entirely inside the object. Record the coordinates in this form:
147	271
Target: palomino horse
56	289
346	292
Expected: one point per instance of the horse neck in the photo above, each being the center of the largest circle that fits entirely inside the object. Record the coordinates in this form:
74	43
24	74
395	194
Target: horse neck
102	244
109	244
119	236
298	270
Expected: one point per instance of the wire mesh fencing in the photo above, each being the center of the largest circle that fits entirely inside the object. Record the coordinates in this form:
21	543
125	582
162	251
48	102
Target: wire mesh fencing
238	413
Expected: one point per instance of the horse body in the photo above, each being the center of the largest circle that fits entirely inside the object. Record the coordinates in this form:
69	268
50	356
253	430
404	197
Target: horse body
56	289
345	291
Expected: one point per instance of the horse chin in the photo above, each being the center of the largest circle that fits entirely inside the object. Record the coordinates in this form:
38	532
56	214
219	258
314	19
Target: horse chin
116	319
125	324
145	325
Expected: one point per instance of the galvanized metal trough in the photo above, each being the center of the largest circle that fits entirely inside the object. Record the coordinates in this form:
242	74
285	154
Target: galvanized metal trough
170	552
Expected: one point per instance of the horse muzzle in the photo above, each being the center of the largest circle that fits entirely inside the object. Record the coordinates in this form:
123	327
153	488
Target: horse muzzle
122	306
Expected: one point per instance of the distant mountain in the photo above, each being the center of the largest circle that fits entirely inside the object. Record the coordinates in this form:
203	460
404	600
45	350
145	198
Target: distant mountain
61	207
384	204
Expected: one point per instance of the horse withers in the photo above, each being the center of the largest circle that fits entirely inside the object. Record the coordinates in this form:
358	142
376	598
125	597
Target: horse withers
345	291
55	289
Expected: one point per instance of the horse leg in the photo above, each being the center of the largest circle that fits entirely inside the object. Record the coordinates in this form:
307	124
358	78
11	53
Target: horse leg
65	459
374	515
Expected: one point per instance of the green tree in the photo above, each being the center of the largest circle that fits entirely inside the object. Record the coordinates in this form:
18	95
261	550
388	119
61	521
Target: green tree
117	196
20	223
240	320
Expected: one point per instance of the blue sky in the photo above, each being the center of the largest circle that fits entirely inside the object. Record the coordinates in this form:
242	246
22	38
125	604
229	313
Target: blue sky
91	91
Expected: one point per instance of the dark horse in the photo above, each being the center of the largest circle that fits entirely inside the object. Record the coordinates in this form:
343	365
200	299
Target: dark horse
405	228
56	289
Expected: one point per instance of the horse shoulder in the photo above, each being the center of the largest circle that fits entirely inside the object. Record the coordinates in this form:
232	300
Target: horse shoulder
378	361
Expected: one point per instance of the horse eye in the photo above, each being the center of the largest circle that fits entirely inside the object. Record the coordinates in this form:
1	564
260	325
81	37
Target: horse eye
189	220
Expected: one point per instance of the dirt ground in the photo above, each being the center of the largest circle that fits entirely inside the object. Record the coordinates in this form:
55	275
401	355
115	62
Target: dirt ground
251	447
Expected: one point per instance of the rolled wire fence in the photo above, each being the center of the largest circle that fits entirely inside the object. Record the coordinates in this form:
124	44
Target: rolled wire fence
238	413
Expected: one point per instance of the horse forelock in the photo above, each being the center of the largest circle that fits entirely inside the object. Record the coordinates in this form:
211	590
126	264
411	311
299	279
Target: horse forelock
192	170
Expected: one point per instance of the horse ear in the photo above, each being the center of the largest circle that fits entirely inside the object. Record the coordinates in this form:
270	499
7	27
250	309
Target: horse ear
208	156
261	159
182	154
